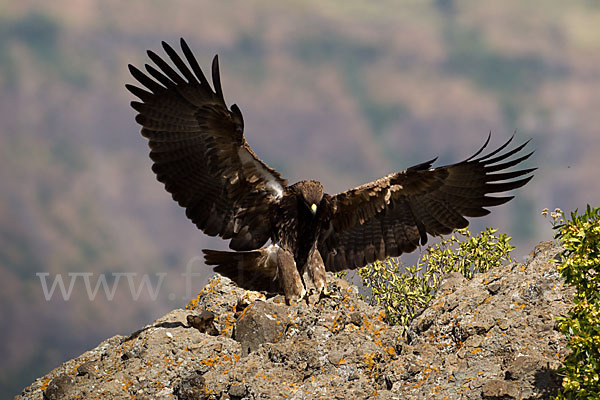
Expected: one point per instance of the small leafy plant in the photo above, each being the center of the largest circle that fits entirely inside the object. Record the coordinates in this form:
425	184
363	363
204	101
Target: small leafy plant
405	291
580	267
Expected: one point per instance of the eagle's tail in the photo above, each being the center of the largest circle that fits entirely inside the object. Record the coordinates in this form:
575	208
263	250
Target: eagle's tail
251	270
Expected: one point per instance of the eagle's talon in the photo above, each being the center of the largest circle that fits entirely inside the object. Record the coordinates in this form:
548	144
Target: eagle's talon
325	294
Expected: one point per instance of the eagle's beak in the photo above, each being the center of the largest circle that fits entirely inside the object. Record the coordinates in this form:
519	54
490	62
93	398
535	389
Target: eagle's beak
313	209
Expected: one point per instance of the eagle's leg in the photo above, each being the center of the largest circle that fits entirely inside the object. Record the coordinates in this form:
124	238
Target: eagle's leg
314	276
314	273
288	276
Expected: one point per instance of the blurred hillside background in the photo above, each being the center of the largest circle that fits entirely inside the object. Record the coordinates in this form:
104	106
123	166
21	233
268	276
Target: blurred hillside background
339	91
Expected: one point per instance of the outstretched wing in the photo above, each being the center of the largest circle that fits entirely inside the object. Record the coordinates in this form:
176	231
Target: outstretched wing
200	153
394	214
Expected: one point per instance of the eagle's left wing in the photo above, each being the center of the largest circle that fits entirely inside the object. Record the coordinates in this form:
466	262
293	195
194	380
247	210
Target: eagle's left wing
394	214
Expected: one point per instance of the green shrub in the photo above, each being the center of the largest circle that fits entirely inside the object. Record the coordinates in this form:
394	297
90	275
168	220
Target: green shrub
405	291
580	267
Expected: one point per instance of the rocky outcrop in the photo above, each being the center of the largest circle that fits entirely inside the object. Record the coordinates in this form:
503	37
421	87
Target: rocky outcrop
493	337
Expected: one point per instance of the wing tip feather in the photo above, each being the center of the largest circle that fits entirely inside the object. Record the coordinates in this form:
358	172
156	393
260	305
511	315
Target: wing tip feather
216	77
485	144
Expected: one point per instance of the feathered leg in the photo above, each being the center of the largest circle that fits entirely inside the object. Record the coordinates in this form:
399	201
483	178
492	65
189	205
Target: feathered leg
288	276
314	273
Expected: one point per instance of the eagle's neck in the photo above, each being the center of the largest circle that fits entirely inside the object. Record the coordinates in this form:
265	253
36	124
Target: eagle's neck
297	228
308	229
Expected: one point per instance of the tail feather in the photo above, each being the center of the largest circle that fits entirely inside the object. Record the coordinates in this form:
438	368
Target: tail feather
251	270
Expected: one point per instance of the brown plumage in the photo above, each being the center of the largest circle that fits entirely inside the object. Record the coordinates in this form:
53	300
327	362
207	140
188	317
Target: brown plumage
201	155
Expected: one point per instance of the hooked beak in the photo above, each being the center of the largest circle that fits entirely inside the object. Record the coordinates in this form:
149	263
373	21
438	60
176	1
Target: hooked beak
313	209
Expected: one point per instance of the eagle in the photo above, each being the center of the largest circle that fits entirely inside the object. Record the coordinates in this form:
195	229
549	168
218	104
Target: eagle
200	154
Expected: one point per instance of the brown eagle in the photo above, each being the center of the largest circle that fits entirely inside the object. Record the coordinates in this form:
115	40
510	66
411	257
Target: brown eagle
200	154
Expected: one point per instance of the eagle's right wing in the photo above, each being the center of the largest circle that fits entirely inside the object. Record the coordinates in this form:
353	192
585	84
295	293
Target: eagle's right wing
200	153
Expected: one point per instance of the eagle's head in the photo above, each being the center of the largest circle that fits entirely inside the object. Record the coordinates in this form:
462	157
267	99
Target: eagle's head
311	193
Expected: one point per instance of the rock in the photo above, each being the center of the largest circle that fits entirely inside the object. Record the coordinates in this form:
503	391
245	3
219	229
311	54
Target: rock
498	389
237	390
451	281
522	366
89	368
491	337
58	387
191	387
204	322
259	323
499	341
